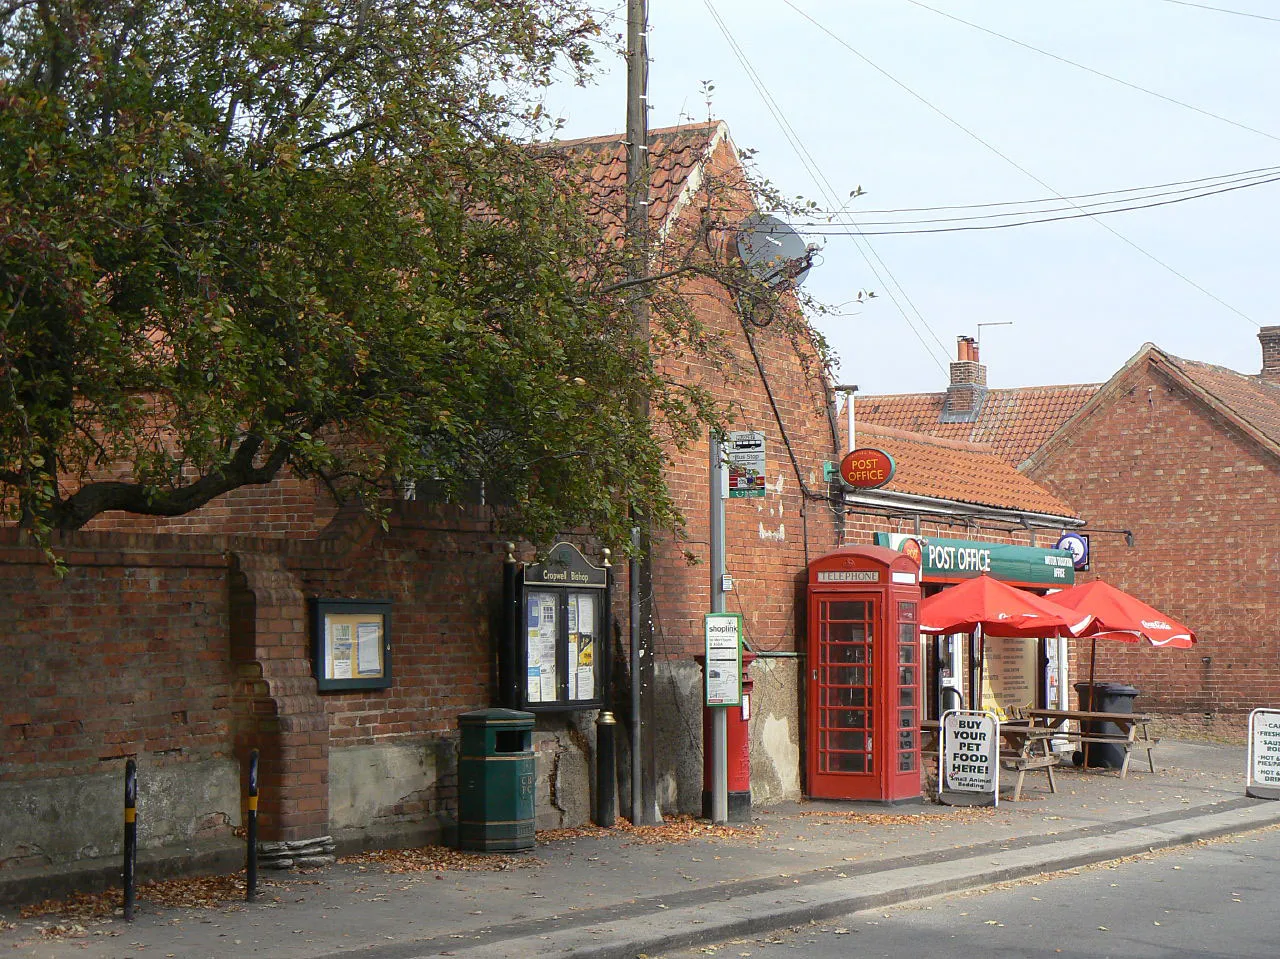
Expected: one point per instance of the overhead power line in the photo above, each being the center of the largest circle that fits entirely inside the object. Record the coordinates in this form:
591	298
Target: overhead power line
828	191
1097	208
1097	73
1259	171
1021	169
1234	13
829	228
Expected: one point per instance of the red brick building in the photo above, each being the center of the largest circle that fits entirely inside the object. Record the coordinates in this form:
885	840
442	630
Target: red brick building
1175	467
185	643
1186	456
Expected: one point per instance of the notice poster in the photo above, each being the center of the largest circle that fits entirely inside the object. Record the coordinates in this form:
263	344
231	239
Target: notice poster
723	635
1264	754
583	651
543	679
1009	668
970	752
340	646
369	649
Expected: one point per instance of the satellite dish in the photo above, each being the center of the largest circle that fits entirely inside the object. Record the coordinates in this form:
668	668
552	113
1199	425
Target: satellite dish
773	252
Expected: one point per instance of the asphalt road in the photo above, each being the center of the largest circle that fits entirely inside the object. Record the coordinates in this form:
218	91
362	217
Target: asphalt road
1210	899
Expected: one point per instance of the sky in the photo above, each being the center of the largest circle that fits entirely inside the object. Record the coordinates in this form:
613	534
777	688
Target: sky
922	110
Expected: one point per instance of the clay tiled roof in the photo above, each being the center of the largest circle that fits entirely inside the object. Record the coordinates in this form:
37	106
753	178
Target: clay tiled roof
1251	399
1013	423
676	158
964	472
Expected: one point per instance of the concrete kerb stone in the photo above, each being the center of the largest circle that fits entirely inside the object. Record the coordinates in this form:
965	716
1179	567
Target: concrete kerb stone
666	929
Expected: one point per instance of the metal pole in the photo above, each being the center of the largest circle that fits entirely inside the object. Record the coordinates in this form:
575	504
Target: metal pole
719	719
848	389
637	796
130	837
251	832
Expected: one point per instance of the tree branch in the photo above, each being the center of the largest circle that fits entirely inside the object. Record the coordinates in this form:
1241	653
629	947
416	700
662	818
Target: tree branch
95	498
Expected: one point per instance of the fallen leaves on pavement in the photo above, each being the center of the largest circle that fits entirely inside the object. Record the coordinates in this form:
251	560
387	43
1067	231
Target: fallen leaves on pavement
192	892
676	829
960	814
438	859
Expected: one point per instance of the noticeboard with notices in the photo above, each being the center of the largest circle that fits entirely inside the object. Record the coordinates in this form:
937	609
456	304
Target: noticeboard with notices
558	643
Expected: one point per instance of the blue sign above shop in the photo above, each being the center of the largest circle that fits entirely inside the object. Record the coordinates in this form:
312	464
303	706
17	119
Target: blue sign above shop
952	560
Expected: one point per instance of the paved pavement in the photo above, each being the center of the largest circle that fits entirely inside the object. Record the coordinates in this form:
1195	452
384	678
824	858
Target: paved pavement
609	896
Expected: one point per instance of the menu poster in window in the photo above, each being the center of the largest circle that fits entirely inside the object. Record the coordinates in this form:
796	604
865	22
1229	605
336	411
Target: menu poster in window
350	644
1009	673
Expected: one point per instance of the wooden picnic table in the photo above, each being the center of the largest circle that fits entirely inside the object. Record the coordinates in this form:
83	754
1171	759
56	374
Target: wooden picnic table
1133	730
1023	746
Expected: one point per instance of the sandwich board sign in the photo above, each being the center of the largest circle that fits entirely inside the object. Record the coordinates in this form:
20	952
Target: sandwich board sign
1262	779
969	758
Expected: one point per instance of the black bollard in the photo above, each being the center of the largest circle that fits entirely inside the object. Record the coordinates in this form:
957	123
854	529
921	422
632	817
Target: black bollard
130	837
606	813
251	832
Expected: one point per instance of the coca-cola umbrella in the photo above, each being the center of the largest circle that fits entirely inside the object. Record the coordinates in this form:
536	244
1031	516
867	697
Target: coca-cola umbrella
1122	617
997	609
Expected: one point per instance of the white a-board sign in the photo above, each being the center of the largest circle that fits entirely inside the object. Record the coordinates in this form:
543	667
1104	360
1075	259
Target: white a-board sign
1262	779
969	758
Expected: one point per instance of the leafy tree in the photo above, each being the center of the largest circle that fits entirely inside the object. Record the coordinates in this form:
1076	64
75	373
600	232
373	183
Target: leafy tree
243	235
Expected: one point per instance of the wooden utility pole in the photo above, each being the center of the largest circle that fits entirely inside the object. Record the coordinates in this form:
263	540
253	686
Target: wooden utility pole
644	800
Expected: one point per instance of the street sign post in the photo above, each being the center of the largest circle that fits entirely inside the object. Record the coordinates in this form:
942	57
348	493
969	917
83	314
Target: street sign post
745	455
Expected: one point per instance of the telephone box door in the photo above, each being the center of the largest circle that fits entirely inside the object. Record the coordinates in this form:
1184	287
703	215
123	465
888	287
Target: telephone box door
864	676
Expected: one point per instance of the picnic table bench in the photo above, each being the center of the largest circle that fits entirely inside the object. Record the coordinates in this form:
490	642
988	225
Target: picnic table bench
1023	747
1132	730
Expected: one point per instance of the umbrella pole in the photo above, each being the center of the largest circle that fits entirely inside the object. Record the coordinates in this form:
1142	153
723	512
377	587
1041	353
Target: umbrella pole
981	638
1093	663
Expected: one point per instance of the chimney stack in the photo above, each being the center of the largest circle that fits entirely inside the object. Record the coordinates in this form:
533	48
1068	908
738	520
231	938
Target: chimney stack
1269	337
968	384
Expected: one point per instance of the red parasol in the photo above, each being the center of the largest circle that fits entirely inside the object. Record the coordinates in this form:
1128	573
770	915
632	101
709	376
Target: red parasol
1119	616
999	609
1122	617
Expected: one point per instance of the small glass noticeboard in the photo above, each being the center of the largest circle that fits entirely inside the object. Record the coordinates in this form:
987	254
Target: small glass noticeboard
351	644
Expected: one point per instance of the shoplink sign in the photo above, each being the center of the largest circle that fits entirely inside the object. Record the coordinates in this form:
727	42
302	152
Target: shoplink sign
952	560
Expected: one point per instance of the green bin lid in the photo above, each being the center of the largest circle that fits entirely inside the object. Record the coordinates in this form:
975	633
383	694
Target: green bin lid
495	717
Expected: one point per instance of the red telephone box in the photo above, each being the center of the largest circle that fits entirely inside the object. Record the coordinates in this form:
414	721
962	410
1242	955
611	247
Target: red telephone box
864	691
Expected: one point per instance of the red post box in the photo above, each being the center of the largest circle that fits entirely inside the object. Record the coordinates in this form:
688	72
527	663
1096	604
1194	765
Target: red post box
864	693
738	748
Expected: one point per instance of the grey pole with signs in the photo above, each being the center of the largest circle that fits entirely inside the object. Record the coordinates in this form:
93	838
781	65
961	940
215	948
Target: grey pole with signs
719	727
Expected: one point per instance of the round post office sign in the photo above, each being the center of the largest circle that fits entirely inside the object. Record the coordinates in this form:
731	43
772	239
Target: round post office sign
867	468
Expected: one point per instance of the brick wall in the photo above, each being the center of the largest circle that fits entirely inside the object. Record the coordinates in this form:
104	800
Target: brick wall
186	652
1203	502
125	655
768	540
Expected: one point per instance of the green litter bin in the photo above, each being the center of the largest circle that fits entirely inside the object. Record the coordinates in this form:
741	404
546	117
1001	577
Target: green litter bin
495	780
